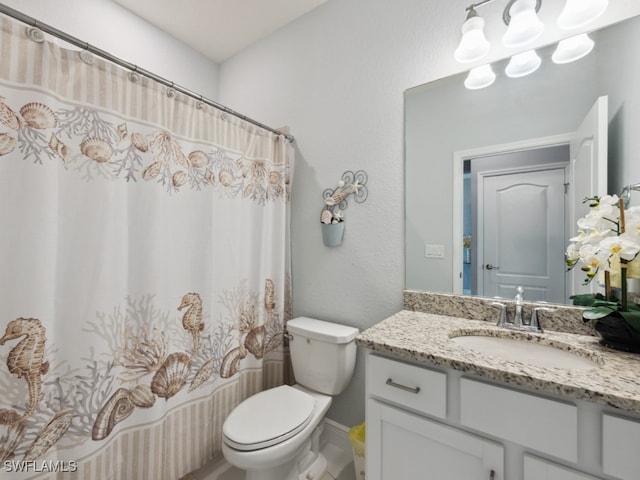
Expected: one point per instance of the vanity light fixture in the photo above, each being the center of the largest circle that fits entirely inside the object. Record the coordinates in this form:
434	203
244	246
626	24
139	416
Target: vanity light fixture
480	77
523	24
473	45
523	64
523	28
577	13
572	49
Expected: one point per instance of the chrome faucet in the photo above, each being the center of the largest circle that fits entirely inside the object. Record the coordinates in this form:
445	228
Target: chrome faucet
518	322
518	302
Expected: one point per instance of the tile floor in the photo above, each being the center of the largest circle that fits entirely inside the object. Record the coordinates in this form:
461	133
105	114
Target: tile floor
340	467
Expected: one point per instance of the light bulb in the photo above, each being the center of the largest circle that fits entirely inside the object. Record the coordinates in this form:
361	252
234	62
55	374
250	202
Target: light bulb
473	45
523	64
480	77
524	25
577	13
572	49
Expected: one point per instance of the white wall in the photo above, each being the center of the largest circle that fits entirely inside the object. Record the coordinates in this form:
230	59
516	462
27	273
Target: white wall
106	25
336	77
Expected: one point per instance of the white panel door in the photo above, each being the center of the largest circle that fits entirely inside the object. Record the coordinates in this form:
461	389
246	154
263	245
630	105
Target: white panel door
523	235
587	174
404	446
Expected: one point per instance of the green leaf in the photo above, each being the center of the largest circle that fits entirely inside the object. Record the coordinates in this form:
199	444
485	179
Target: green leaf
605	303
597	312
587	299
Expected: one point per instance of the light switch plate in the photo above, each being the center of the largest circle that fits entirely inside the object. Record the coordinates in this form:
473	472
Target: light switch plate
434	251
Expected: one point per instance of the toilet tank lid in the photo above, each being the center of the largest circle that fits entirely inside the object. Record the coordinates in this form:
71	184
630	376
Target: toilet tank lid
322	330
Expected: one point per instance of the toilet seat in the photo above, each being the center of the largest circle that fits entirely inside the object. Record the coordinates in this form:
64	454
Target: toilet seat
268	418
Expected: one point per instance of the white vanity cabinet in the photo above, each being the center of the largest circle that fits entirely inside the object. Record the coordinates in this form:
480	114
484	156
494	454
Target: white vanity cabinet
428	423
403	443
539	469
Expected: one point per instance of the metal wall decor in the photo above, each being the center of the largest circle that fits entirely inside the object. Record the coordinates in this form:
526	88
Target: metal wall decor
336	201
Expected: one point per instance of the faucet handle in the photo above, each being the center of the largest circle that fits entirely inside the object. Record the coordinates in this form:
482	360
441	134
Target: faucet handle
519	295
502	320
535	324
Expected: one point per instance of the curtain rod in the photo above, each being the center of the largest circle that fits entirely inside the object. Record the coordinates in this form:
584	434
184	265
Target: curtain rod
130	66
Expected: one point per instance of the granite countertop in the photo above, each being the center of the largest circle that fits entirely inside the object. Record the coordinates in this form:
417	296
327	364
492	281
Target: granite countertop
425	338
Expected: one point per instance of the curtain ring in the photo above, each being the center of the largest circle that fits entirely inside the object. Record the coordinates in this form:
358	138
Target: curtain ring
134	77
87	57
35	34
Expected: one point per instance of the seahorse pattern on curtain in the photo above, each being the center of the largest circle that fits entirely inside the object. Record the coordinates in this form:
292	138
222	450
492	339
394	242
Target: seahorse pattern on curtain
145	267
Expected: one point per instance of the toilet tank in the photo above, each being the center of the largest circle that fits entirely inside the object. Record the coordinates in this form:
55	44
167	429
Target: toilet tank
323	354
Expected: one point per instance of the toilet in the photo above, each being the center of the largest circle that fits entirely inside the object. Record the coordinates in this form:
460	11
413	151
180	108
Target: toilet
275	434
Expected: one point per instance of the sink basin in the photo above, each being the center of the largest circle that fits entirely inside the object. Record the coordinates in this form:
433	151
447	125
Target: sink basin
527	349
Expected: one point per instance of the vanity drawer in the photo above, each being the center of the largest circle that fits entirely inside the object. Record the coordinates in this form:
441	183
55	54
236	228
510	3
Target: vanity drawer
620	446
414	387
542	424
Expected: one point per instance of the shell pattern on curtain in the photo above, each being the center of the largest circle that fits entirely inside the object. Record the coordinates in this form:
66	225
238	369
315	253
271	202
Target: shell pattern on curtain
145	282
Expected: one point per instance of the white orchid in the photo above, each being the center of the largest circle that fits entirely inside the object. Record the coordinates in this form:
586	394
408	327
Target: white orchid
572	255
601	241
620	246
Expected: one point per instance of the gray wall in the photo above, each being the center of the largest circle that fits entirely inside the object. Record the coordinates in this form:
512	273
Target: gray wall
336	76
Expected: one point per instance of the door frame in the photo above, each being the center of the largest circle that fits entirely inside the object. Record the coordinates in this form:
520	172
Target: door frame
459	157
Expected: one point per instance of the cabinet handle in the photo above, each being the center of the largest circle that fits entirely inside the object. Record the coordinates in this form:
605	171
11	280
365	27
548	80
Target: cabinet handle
492	475
391	383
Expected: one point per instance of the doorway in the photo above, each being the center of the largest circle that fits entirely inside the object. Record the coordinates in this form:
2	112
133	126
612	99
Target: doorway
514	224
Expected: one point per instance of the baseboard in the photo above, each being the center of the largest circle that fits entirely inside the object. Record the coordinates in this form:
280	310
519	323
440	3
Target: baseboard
336	434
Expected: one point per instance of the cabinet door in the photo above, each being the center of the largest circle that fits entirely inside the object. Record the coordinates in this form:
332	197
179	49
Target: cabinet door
620	441
404	446
538	469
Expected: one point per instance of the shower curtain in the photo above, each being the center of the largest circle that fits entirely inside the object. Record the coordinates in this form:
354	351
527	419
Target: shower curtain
145	274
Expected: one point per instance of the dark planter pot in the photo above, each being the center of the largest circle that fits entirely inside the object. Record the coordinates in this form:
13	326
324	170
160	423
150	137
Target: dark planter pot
617	334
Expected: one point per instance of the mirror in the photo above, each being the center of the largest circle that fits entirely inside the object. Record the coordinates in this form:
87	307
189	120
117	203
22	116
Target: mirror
443	119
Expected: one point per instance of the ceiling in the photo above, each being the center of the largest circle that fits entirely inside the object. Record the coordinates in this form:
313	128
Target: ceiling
219	28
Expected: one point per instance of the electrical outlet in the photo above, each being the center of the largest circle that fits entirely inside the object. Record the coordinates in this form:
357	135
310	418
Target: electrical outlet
434	251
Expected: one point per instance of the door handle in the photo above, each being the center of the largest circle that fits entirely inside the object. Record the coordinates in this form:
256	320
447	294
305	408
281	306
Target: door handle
488	266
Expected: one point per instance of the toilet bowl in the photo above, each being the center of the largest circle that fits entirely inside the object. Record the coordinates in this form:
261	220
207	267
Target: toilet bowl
275	434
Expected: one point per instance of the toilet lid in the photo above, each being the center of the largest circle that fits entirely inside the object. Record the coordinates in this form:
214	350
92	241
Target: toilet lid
268	418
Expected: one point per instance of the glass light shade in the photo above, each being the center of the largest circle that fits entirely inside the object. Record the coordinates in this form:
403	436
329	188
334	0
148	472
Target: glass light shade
572	49
473	45
524	25
480	77
577	13
523	64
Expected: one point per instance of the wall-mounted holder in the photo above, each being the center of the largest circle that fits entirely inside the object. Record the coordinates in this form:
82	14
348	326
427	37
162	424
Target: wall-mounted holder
335	202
